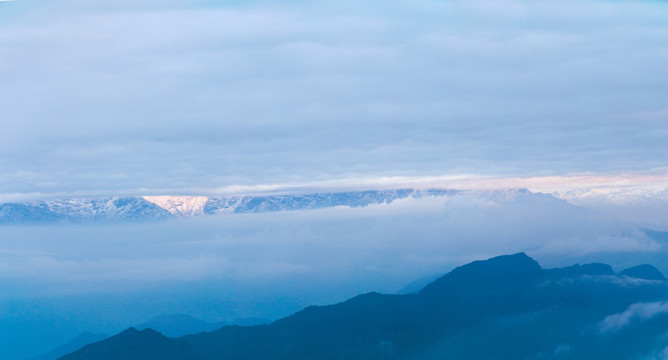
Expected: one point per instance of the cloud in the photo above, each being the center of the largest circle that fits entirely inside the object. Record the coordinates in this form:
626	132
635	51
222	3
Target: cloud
124	96
612	243
660	354
635	313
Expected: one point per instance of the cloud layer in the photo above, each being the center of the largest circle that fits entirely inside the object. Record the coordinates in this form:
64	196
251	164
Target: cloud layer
129	96
384	246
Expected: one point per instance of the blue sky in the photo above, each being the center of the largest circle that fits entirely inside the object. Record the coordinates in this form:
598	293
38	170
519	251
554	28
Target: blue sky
164	97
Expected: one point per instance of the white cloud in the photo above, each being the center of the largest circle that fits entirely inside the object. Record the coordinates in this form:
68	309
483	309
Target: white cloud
635	313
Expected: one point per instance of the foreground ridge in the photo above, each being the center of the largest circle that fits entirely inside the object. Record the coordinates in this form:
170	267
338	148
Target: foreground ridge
506	307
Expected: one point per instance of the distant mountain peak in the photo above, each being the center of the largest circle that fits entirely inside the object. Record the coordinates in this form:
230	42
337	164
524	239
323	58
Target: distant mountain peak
135	344
594	269
174	325
496	271
132	331
645	272
504	265
180	205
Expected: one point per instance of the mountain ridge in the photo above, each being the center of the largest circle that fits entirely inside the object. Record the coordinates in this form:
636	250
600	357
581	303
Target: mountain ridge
159	208
156	208
482	301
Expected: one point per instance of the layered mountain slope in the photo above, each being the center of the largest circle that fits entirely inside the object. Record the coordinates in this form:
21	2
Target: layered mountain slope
503	308
77	343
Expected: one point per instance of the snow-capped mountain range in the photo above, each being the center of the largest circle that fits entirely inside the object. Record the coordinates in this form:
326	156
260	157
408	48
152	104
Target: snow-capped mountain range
152	208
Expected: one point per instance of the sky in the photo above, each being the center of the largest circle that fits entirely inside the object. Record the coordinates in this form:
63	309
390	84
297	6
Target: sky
167	97
148	97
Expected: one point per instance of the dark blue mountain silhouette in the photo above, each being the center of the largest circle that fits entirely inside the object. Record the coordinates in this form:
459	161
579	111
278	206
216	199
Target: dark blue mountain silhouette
174	325
645	271
506	307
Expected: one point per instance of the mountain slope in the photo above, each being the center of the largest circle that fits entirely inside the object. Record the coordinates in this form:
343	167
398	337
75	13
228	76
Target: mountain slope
505	308
77	343
83	211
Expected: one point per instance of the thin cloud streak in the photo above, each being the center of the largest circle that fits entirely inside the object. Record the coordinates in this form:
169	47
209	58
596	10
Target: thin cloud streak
568	187
635	313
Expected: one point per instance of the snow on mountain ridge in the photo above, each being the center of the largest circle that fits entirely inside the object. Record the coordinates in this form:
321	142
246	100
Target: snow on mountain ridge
180	205
151	208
